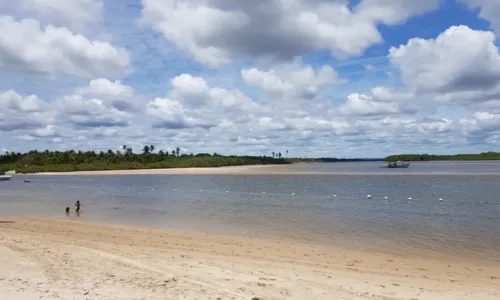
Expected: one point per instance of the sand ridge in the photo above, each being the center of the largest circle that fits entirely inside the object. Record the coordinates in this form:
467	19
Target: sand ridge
62	259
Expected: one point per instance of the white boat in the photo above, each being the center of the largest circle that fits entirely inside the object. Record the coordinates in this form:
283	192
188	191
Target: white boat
5	177
397	164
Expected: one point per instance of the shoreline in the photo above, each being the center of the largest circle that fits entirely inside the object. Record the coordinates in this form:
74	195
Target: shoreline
173	171
85	260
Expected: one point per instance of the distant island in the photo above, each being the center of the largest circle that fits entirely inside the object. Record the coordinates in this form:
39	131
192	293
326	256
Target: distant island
68	161
429	157
36	161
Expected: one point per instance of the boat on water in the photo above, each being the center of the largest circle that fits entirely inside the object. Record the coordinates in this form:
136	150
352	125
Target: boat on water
5	177
397	164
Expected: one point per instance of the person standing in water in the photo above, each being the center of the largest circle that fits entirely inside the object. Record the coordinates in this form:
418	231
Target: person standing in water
77	204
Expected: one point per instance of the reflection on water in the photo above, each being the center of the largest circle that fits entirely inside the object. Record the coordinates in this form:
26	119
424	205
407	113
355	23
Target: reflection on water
317	209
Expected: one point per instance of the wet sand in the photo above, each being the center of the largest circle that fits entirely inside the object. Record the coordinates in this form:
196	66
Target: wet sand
293	169
174	171
62	259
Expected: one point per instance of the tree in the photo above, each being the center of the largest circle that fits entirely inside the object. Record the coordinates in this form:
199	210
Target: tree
151	148
279	155
124	147
173	152
286	152
273	154
177	151
161	152
145	150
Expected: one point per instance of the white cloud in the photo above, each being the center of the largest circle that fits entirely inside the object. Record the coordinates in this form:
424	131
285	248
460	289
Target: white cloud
216	32
30	48
195	93
102	87
47	131
171	114
481	121
120	96
291	80
381	102
363	105
10	100
489	10
77	13
458	59
393	12
90	112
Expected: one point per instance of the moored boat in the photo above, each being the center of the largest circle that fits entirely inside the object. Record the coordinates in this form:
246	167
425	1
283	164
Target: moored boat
397	164
5	177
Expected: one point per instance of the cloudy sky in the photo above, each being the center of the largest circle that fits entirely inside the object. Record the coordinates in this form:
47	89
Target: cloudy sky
314	77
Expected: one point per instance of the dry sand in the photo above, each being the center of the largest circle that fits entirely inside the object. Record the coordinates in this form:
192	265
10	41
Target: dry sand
62	259
255	169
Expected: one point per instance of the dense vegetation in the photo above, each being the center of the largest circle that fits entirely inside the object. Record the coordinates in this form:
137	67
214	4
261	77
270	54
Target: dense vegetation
57	161
428	157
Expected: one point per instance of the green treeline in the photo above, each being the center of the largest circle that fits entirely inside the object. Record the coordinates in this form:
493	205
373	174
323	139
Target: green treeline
66	161
429	157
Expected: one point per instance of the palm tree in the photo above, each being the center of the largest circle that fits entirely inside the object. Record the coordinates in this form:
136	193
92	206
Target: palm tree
145	150
286	152
273	154
177	151
152	148
124	147
173	152
279	155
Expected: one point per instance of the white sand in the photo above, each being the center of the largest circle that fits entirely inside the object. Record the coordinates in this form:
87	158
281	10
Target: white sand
192	171
60	259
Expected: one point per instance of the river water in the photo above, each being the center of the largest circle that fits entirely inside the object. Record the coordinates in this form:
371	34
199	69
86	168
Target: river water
322	203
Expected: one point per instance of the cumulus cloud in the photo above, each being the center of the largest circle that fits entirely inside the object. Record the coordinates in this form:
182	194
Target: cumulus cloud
381	102
30	48
10	100
192	103
171	114
460	59
90	112
481	121
392	12
46	131
76	13
489	10
216	32
119	95
291	80
13	122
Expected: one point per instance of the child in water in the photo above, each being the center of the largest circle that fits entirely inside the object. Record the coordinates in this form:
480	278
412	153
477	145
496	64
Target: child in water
77	204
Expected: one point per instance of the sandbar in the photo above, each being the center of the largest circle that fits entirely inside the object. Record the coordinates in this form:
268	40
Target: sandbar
67	259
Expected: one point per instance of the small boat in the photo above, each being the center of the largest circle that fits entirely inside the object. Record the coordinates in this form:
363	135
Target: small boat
396	165
27	180
5	177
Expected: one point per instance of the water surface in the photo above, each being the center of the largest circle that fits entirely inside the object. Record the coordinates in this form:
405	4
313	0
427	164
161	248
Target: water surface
315	209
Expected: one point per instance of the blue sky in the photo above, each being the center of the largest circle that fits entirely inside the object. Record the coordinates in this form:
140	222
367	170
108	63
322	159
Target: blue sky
324	78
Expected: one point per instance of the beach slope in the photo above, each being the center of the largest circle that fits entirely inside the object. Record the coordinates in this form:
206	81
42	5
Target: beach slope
63	259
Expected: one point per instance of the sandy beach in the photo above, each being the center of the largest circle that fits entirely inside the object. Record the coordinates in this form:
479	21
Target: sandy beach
255	169
63	259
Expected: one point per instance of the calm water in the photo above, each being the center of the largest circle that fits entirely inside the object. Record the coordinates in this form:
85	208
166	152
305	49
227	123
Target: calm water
466	221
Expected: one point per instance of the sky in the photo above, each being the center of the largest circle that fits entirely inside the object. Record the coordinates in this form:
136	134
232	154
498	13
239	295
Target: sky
319	78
